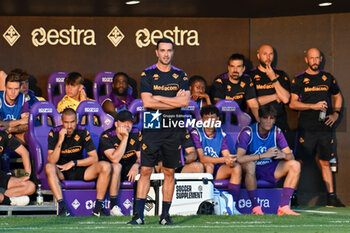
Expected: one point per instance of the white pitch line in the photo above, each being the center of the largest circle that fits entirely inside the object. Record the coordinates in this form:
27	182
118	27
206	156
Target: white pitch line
165	227
242	222
317	211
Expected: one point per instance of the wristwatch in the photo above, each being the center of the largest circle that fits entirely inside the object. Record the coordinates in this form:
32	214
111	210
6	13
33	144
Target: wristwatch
275	80
26	174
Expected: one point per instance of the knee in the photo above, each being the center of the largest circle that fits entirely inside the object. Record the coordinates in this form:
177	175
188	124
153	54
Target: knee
50	169
168	172
294	166
30	187
105	167
249	168
237	170
200	167
117	168
146	171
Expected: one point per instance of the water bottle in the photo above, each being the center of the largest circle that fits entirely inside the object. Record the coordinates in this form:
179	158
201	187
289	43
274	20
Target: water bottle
333	164
322	116
39	197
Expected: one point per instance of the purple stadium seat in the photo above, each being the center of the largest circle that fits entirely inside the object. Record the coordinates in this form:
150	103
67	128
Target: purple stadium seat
103	85
230	110
39	128
56	87
137	109
192	111
92	111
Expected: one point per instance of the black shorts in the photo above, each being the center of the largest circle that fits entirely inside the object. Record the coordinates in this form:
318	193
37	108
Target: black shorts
125	170
167	143
4	179
312	142
75	173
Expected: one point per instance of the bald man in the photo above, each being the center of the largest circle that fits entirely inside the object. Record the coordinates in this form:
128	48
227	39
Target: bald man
312	94
272	86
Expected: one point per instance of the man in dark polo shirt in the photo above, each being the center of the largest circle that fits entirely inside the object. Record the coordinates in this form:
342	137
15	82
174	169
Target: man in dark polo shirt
272	86
237	86
312	94
66	144
14	190
164	90
121	147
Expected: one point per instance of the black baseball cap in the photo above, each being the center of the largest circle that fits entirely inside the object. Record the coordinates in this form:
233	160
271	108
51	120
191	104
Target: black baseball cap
124	115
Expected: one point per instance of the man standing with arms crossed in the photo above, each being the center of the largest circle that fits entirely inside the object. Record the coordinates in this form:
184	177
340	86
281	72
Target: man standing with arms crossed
312	94
164	89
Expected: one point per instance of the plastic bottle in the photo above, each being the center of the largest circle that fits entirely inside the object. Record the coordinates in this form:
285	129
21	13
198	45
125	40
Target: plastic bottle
39	197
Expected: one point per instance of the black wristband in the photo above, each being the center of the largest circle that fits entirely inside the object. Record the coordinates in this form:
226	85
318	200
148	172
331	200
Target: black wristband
75	163
337	112
275	80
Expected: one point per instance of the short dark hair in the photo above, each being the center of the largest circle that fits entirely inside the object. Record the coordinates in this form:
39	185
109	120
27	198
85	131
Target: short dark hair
13	77
22	73
196	78
236	56
209	109
121	74
267	110
165	40
69	111
74	78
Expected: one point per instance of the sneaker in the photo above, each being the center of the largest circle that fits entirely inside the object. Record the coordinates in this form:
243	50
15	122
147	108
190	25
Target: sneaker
116	211
64	212
165	220
285	210
99	211
136	220
19	201
333	201
257	210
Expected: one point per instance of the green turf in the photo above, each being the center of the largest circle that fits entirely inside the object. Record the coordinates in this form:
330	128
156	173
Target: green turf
321	220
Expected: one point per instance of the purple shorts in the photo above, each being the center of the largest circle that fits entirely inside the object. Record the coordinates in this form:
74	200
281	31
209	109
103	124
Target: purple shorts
267	172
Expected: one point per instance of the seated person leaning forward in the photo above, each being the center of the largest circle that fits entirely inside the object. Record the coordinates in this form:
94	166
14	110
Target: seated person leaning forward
14	190
66	144
212	149
263	153
122	149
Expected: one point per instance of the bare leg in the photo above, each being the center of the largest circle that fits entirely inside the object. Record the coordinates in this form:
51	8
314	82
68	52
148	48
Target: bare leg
101	171
17	187
194	167
327	175
169	182
53	177
144	182
115	179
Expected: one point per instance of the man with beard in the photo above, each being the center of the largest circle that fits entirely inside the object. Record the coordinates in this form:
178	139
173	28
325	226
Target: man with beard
312	94
119	97
164	90
272	86
237	86
65	161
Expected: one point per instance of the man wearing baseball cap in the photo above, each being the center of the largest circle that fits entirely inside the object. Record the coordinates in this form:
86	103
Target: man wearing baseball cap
121	147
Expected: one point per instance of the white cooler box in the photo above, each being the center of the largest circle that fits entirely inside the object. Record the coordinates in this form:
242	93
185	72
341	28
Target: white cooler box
191	189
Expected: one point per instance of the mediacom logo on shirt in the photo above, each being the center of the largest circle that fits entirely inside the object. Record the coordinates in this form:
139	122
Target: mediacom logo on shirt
157	120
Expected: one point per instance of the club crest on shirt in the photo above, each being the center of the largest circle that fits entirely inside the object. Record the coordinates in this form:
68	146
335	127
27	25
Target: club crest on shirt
132	141
306	81
156	76
324	78
242	84
144	147
175	76
257	77
228	87
76	137
301	140
219	80
143	74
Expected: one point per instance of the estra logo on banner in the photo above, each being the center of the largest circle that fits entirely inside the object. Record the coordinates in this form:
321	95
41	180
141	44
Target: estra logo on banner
180	37
70	36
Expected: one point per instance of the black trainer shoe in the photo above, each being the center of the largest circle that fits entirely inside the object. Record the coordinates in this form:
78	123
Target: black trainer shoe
136	220
165	220
64	212
333	201
98	211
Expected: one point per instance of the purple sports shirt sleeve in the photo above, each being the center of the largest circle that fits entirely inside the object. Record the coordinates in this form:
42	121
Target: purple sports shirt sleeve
244	138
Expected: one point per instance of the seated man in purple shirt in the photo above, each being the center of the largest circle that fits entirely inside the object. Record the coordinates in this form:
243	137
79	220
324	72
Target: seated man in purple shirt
119	97
263	153
213	151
